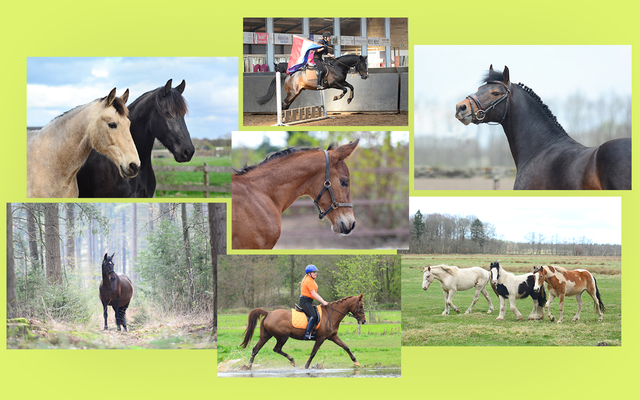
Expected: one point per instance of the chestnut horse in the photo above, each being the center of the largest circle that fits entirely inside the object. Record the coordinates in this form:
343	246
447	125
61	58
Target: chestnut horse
561	283
260	193
546	157
116	291
56	152
278	324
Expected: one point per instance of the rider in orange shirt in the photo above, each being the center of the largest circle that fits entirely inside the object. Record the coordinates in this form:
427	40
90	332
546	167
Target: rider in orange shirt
309	291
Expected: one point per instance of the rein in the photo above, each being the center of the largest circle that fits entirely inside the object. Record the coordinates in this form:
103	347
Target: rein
327	186
481	112
347	314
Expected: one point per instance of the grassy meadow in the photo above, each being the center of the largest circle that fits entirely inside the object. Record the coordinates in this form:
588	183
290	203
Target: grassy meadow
193	178
424	325
377	345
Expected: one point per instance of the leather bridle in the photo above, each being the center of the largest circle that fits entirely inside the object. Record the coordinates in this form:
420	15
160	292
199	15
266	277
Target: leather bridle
481	112
327	187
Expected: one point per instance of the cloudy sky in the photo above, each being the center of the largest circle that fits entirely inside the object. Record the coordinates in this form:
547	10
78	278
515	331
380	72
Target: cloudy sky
445	75
596	218
55	85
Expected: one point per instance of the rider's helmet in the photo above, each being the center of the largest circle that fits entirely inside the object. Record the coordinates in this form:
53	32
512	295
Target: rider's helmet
326	35
310	268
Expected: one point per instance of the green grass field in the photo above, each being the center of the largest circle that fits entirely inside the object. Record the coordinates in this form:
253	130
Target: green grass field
193	178
377	345
423	324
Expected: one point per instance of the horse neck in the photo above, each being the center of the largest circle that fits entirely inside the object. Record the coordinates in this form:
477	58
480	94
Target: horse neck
286	179
340	313
346	64
528	127
140	113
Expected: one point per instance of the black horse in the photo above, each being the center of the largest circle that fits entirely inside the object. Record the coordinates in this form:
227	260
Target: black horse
116	290
546	157
337	70
157	114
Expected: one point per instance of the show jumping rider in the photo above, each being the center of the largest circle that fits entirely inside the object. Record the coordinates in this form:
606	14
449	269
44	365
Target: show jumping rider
317	59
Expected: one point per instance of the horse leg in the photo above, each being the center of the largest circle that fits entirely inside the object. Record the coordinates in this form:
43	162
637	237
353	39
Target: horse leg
512	305
534	312
347	84
446	303
336	85
335	339
503	308
579	301
313	352
105	313
450	301
123	316
116	309
561	300
474	301
257	347
547	306
486	296
278	349
596	302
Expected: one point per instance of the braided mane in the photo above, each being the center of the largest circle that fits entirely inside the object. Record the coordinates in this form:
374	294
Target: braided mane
538	100
279	154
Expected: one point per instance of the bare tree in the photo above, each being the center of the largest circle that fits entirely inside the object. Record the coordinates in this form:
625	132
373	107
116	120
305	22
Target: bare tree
187	252
52	244
70	236
217	239
11	274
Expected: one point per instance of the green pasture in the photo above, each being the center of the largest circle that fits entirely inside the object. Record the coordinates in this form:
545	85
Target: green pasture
424	325
193	178
377	345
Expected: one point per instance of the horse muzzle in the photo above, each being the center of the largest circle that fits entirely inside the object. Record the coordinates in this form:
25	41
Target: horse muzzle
463	112
130	172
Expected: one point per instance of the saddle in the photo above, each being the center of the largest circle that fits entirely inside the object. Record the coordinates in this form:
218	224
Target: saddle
299	318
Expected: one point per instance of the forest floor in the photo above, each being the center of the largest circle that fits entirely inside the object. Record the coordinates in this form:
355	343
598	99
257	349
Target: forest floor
157	332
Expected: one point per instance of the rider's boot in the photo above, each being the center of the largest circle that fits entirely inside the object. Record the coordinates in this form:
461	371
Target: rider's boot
308	335
321	80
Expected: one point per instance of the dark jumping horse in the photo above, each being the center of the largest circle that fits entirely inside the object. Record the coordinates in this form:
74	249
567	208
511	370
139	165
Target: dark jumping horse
302	79
157	114
278	324
546	157
116	291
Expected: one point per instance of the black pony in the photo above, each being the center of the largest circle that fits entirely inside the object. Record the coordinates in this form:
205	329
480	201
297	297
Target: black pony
116	290
546	157
157	114
337	70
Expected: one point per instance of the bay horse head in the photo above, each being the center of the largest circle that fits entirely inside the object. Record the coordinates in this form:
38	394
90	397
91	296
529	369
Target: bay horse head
334	198
169	125
357	310
109	133
490	103
108	272
362	67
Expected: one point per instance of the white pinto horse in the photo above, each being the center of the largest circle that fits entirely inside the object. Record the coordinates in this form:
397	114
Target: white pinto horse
561	283
453	279
512	287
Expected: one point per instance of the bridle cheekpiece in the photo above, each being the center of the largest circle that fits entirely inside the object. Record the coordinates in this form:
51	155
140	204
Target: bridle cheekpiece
481	112
327	187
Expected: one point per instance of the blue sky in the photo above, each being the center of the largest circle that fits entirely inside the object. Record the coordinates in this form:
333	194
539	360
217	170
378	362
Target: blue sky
55	85
596	218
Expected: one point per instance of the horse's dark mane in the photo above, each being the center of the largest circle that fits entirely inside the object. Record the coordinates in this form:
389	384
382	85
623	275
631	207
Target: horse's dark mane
496	75
171	103
279	154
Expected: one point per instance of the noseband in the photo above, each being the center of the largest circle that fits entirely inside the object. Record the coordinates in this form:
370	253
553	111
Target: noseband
481	112
327	186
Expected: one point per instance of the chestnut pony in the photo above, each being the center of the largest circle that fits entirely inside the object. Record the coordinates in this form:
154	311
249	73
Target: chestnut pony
278	324
546	157
261	193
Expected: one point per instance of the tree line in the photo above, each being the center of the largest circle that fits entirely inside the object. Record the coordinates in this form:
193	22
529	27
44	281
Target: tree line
55	251
456	234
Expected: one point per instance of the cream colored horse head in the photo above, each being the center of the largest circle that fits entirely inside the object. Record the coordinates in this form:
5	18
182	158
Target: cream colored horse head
109	133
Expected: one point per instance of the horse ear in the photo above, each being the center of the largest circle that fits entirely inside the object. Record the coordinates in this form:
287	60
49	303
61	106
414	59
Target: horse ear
181	86
113	255
125	96
105	256
491	68
344	151
167	87
505	76
111	97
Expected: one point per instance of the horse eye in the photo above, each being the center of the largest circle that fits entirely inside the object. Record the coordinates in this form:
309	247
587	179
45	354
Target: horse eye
113	125
344	183
495	93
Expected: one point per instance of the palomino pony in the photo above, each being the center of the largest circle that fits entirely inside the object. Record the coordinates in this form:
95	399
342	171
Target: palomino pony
512	287
56	152
116	291
278	324
561	283
546	157
302	79
454	279
260	193
157	114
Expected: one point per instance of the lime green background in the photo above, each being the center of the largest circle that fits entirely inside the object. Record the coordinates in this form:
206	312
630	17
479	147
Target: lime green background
213	28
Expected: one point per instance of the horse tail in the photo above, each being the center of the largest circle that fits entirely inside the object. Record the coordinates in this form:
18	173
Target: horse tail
270	93
601	304
254	316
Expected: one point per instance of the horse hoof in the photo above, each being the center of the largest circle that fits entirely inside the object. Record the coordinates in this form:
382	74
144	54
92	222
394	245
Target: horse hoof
500	319
348	101
490	312
335	98
356	364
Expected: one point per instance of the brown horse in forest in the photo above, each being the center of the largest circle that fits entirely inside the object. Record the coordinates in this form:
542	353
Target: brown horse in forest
261	193
278	324
116	291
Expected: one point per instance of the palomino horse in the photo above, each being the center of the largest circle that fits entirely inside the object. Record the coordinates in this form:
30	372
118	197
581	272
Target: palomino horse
454	279
561	283
260	193
116	291
278	324
56	152
512	287
546	157
302	79
157	114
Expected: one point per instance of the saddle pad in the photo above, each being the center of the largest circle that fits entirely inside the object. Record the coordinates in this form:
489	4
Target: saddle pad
299	319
